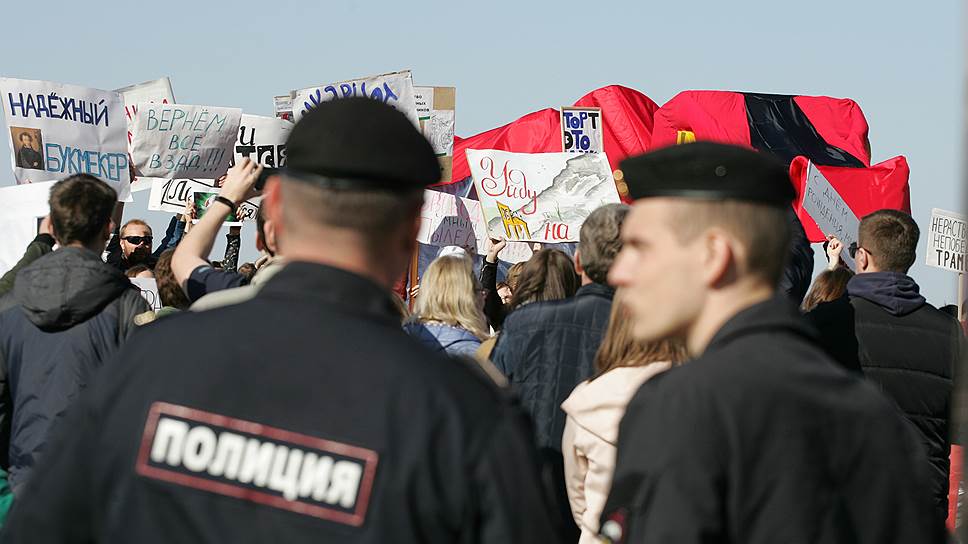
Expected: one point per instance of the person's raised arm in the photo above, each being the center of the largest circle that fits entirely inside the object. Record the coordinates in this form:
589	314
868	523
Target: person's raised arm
40	246
195	247
493	307
115	257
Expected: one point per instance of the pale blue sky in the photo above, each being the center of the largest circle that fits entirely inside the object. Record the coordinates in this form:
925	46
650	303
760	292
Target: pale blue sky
902	61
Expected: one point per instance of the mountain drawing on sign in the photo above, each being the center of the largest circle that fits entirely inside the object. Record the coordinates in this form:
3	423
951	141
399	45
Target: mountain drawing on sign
584	184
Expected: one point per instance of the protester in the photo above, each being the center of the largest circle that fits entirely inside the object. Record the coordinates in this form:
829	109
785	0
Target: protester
131	246
495	307
268	266
306	413
514	274
595	408
40	246
886	329
548	275
171	294
795	279
548	344
448	315
761	437
831	284
200	277
67	313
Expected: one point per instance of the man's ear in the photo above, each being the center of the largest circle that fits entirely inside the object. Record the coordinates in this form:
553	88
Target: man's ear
578	267
718	257
863	260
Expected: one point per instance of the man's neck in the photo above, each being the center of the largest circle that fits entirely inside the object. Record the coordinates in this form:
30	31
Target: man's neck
95	248
720	307
353	260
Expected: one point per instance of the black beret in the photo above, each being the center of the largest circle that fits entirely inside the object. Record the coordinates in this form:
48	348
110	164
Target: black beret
360	143
709	171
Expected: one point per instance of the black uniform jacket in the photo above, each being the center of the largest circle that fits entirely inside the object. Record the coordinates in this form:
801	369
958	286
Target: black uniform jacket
765	439
303	415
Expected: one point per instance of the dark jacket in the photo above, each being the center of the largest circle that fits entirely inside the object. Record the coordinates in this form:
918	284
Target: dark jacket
885	328
547	348
353	433
762	439
493	306
40	246
67	313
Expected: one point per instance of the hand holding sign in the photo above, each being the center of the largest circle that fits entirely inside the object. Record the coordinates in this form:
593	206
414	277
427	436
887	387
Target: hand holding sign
239	184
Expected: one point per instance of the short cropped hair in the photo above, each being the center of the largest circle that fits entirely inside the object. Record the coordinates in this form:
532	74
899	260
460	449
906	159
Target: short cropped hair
135	222
600	240
764	231
81	207
891	237
371	213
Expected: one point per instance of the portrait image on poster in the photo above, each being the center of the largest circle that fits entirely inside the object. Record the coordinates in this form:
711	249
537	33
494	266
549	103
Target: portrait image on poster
28	142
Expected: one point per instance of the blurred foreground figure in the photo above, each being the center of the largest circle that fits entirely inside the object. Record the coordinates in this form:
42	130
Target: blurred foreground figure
762	438
305	414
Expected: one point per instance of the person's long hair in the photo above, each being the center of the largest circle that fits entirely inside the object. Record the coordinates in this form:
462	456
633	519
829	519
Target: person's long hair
619	349
450	294
828	286
548	275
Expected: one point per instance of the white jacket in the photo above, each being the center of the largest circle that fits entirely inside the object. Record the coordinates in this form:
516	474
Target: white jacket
595	409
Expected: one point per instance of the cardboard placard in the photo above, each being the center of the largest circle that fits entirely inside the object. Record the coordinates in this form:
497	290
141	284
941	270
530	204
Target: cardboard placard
829	210
581	130
540	197
946	241
56	130
180	140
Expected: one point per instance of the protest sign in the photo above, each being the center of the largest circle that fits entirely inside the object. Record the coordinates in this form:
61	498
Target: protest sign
581	130
158	91
540	197
178	140
263	140
436	113
169	195
21	206
946	241
394	89
204	200
149	290
282	106
829	210
448	220
57	130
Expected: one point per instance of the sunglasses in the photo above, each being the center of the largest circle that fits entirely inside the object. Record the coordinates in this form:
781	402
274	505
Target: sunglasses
137	240
852	250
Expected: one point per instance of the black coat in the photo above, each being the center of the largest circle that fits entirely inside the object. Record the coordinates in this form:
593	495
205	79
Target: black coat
67	314
885	328
764	439
547	348
303	415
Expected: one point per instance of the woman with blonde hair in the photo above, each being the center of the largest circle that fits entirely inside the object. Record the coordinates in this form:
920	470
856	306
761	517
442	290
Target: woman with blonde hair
595	409
449	313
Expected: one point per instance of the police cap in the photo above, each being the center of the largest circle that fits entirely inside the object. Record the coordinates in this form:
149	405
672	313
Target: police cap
359	143
709	171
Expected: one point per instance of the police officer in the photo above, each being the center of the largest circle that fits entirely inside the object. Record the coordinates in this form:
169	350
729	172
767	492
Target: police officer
305	414
762	437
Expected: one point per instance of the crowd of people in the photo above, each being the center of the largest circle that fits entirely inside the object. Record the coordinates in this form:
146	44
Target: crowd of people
676	379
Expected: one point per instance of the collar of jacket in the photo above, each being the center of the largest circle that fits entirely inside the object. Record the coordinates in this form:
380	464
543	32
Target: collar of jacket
775	314
329	285
596	289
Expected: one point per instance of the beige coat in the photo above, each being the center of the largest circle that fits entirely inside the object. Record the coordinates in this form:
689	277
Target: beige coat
595	410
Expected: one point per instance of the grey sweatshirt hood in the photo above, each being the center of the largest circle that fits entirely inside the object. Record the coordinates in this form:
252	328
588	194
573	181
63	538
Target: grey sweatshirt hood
67	287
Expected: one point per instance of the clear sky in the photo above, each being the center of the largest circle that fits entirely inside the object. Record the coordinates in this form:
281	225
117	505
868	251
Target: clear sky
901	61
